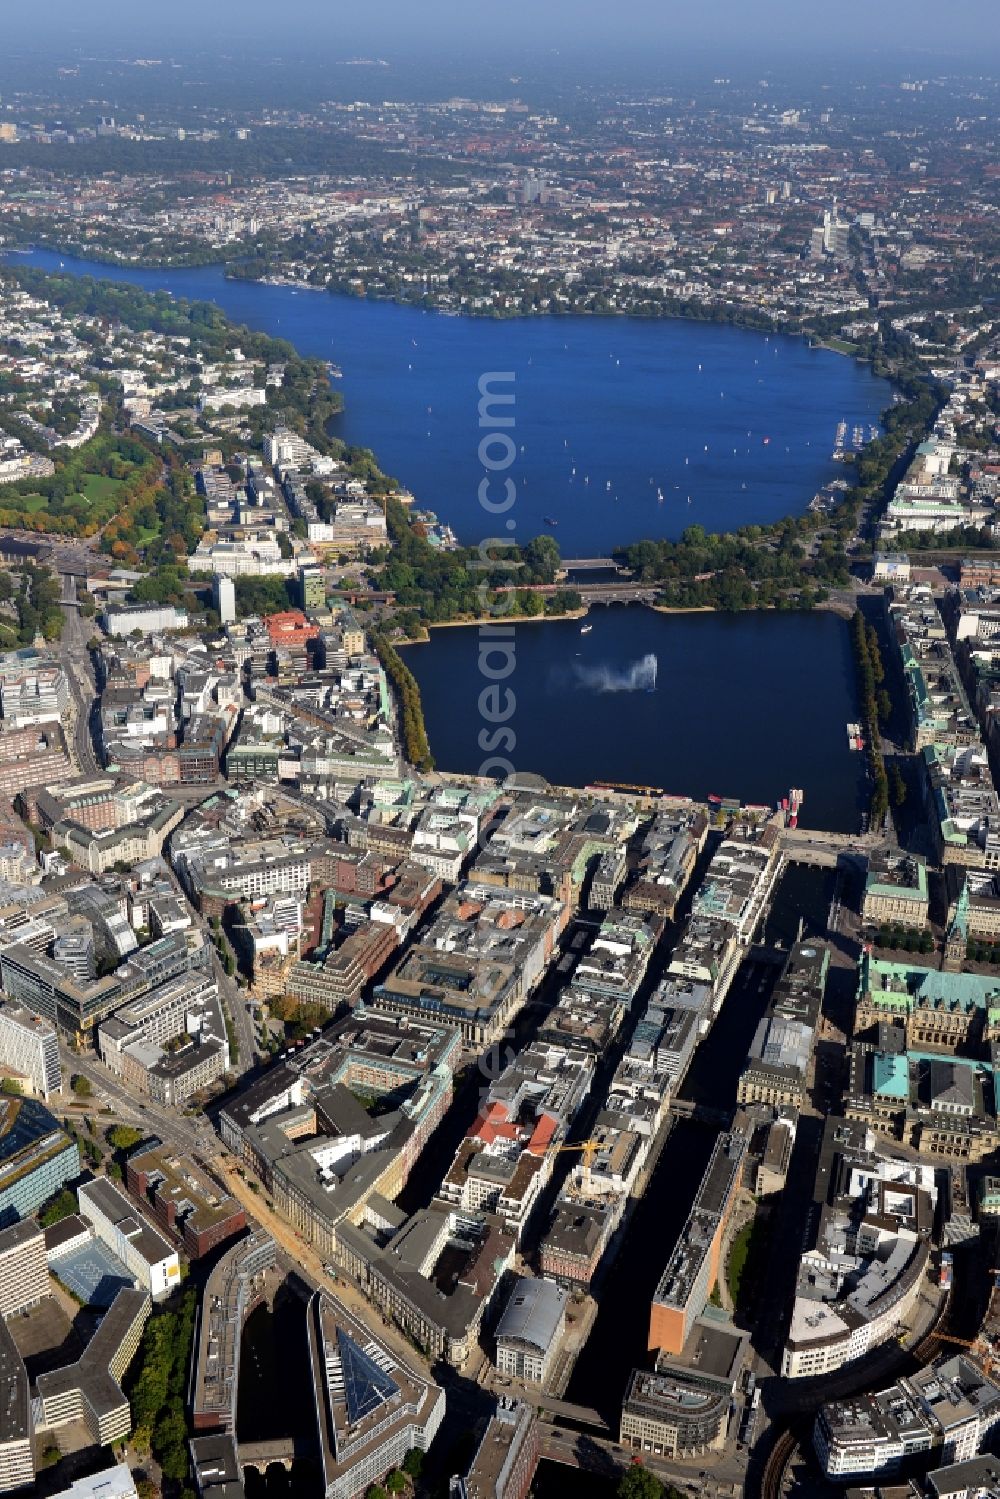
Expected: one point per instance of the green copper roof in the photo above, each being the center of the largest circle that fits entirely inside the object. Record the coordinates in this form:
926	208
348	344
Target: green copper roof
909	984
890	1075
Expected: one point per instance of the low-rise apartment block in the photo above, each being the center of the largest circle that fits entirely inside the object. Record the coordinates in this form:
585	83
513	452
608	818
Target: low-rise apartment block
184	1200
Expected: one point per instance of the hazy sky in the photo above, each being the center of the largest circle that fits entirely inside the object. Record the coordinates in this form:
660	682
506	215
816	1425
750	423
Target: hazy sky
383	26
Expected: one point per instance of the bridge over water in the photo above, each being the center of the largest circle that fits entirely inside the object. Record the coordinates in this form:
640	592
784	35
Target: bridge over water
589	564
702	1113
283	1450
623	592
805	846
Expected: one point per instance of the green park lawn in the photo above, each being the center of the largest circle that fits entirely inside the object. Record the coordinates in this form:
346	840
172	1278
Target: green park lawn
97	492
97	487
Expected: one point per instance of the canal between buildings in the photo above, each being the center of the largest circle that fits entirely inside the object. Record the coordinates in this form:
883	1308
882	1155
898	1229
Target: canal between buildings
275	1398
618	1340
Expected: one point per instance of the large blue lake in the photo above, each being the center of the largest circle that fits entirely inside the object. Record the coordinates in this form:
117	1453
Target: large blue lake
742	705
624	428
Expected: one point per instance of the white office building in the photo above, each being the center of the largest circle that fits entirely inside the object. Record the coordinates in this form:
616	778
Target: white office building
148	619
224	594
141	1248
28	1044
113	1483
33	688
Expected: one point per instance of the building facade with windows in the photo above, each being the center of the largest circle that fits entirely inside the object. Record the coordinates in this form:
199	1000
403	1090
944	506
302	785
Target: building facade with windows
530	1330
141	1248
17	1463
371	1407
30	1044
24	1271
37	1158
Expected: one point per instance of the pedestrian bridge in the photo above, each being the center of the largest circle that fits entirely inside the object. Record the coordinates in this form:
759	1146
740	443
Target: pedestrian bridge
565	1410
703	1113
283	1450
585	564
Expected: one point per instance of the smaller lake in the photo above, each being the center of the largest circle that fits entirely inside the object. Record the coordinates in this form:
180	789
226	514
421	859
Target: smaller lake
744	705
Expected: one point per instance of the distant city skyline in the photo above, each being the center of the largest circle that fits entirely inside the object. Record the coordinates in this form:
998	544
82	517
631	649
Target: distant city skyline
777	26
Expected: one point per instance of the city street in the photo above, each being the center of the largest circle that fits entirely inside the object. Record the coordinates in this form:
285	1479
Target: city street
304	1261
195	1134
710	1474
75	657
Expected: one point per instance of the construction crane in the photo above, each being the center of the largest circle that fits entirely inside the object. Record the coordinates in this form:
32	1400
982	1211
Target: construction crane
975	1345
588	1149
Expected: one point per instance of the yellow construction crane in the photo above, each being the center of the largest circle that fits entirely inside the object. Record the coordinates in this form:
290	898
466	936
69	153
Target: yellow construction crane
588	1149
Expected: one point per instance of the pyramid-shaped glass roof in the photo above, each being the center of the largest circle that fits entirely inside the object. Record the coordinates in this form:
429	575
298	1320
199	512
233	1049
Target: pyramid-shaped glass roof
366	1386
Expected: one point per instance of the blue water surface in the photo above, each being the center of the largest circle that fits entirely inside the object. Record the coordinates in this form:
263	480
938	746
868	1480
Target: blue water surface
624	428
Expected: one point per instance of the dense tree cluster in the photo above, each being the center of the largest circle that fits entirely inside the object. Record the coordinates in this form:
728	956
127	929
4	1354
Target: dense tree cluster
124	1137
263	595
904	939
89	486
298	1015
63	1205
274	152
875	706
756	567
433	586
34	599
157	1394
638	1482
408	693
